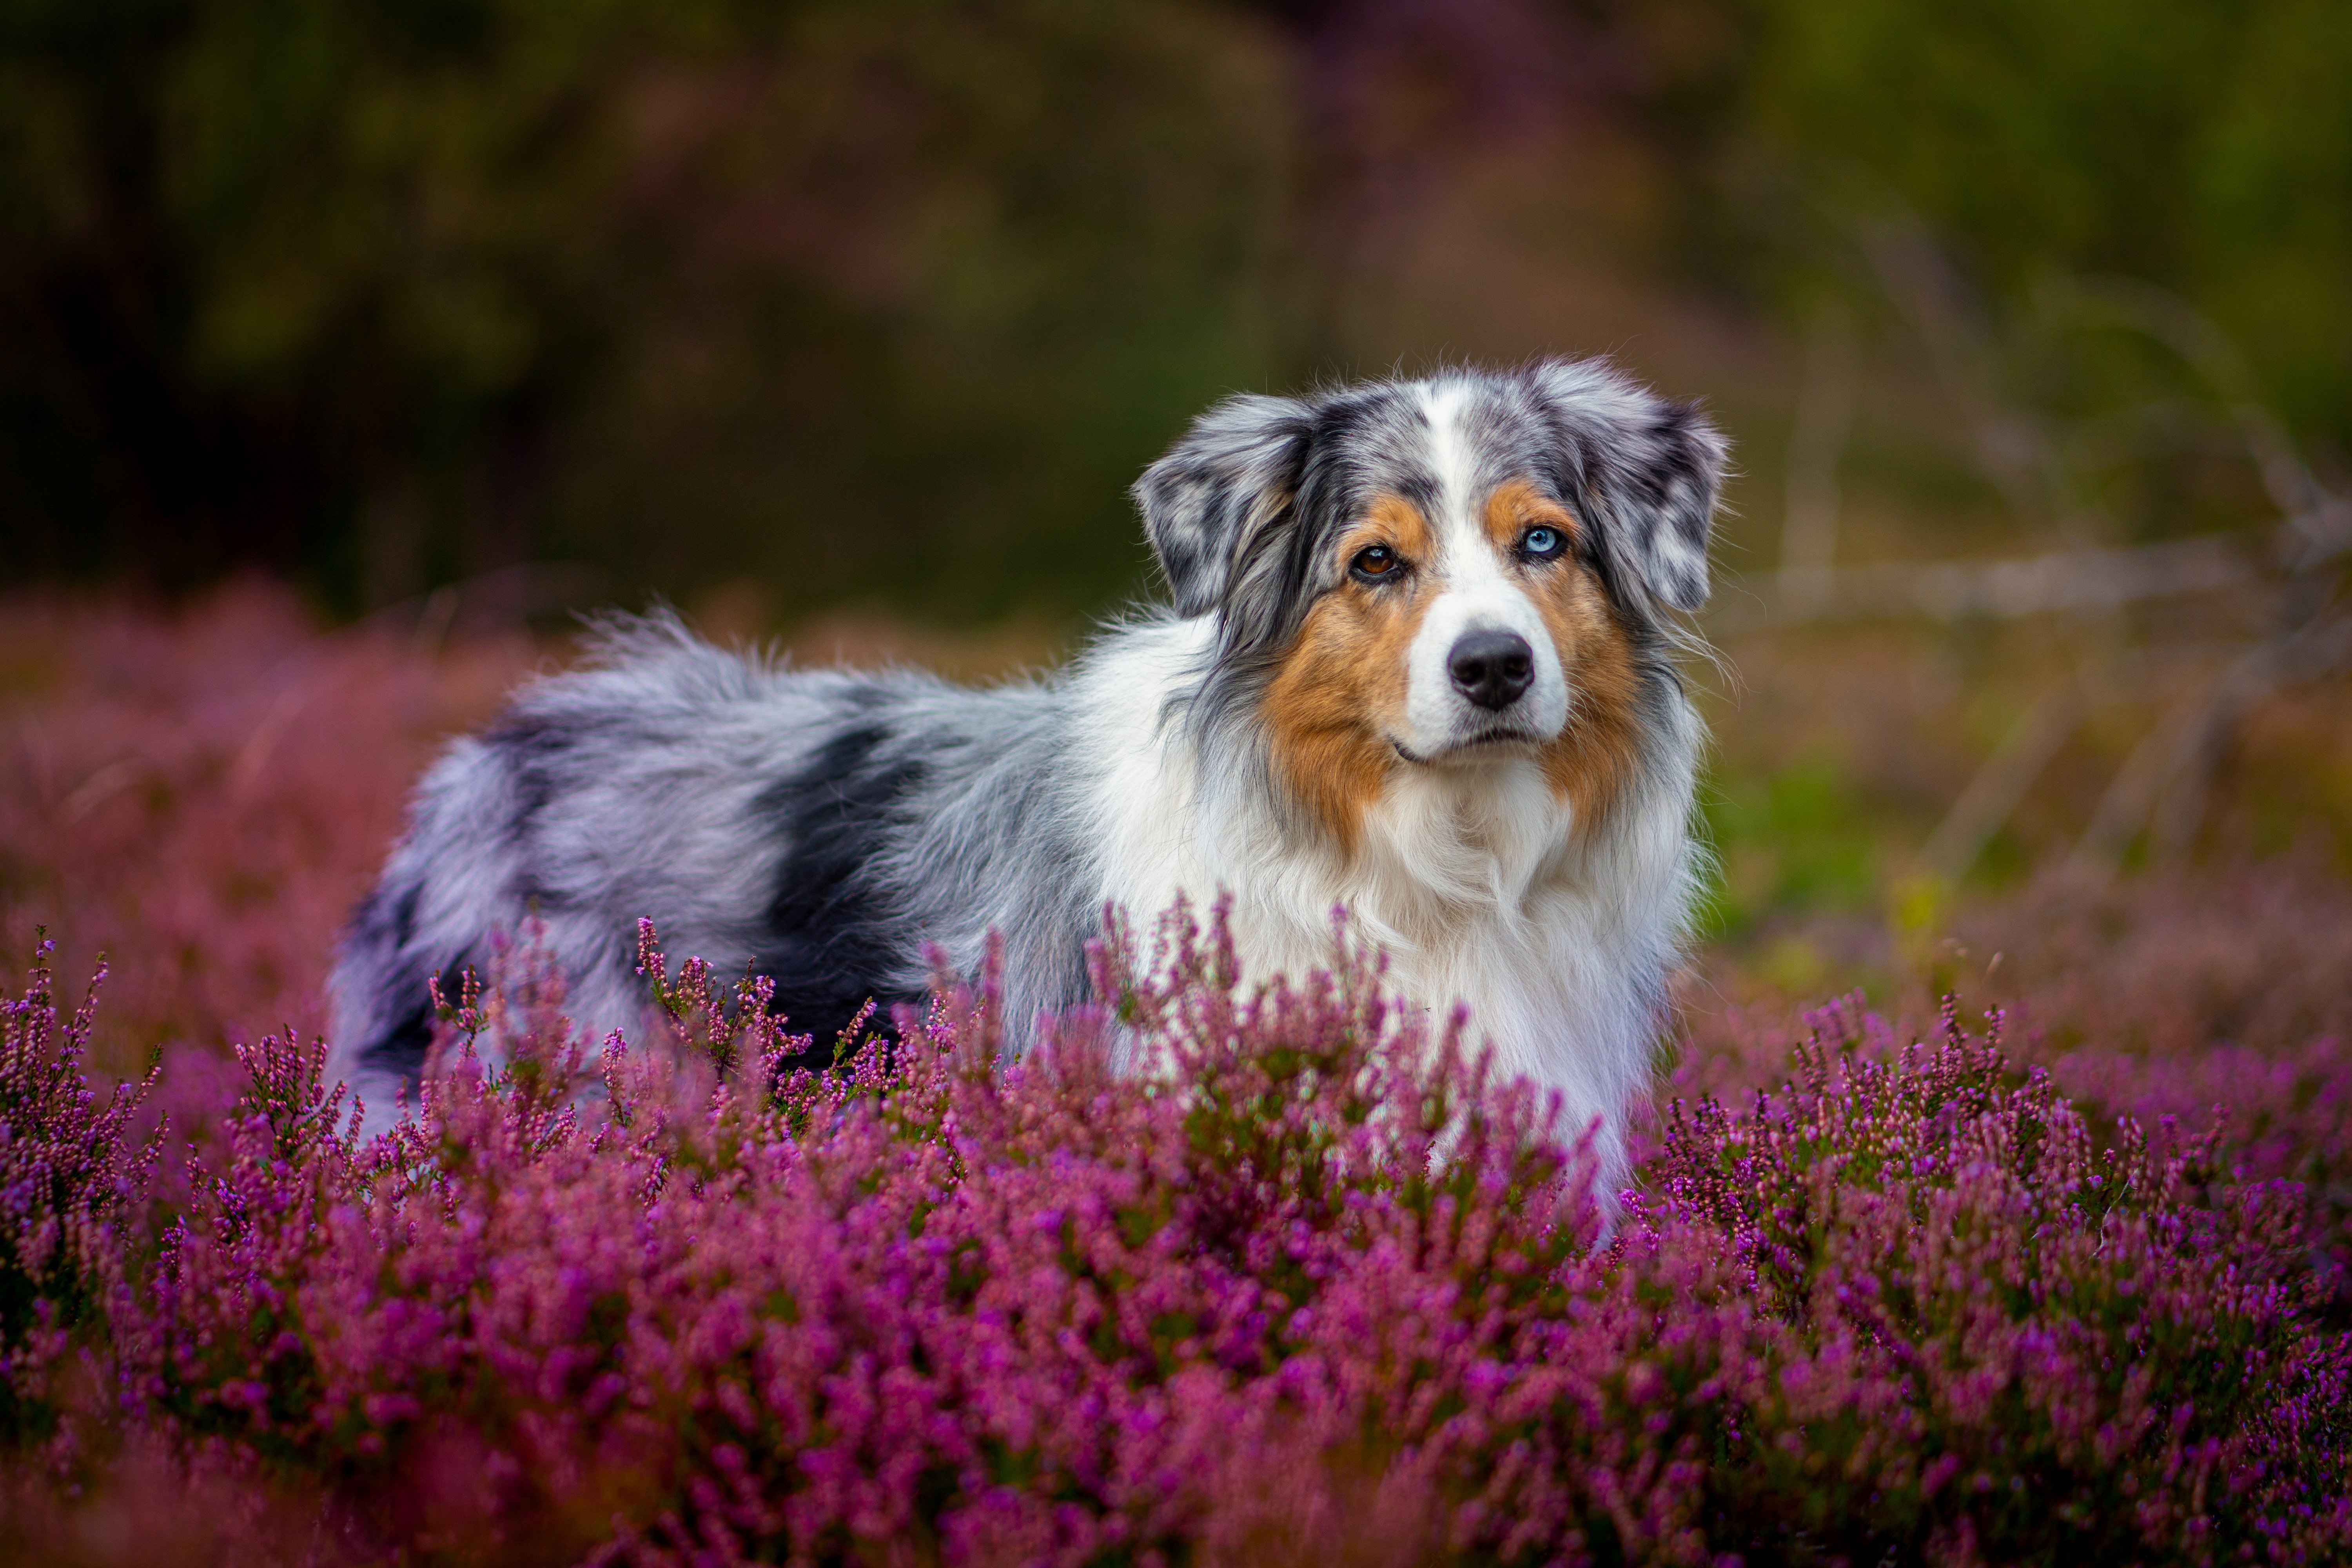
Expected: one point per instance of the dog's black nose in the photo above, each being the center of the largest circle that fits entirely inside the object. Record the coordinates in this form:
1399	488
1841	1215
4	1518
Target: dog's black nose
1492	669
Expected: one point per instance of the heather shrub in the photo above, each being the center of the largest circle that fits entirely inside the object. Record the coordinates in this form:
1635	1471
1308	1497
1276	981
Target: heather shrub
2167	965
1313	1285
1998	1331
206	792
2282	1114
71	1180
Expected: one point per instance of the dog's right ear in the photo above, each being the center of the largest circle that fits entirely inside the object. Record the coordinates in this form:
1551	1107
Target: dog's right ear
1230	479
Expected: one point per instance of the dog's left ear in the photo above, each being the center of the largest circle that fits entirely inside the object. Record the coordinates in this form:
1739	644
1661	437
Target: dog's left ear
1229	479
1654	467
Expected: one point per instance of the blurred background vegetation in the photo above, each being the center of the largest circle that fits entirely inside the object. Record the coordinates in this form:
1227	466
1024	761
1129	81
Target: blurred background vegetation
824	317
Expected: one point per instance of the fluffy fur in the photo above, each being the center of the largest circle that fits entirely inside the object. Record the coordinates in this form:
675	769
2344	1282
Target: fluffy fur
1418	664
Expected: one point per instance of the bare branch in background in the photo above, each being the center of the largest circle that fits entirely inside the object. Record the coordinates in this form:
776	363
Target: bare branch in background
1994	793
2009	444
2165	318
2285	575
2068	580
2133	793
2316	651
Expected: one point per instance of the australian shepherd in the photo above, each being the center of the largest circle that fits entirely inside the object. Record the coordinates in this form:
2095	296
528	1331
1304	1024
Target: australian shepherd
1418	666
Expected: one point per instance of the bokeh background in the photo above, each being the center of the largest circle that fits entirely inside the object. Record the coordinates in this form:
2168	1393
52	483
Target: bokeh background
346	348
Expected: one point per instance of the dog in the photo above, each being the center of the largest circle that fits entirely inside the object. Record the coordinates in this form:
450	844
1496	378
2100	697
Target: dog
1419	664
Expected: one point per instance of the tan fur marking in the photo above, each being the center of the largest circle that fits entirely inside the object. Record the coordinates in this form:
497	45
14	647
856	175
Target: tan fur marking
1395	521
1594	759
1342	685
1517	506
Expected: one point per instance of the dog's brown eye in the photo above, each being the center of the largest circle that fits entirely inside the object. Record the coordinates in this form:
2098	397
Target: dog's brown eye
1375	563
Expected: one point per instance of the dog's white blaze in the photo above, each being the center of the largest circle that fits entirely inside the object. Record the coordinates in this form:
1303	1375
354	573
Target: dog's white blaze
1475	591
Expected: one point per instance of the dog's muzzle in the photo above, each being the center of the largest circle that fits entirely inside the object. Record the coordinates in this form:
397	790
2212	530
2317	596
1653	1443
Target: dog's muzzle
1492	669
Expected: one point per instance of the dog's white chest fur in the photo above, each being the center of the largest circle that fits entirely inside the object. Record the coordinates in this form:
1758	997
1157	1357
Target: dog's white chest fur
1478	885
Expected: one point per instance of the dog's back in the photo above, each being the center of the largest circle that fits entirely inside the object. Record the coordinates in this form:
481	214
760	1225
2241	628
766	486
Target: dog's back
820	827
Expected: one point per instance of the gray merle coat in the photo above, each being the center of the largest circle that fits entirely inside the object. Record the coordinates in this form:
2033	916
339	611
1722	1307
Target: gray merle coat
1417	665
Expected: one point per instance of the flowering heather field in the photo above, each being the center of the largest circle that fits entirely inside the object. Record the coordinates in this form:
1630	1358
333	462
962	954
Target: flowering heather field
1316	1290
206	795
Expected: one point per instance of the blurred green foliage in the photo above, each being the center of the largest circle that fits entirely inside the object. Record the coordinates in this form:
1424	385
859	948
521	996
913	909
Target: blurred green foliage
889	298
1800	837
840	294
2200	144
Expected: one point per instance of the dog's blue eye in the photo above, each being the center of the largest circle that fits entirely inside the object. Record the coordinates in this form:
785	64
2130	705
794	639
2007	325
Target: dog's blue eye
1543	543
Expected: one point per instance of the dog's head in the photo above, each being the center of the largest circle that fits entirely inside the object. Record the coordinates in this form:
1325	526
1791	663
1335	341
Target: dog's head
1440	573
